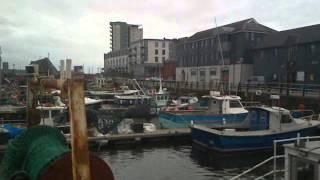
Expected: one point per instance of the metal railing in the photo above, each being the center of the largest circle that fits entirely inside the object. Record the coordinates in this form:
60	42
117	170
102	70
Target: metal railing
257	166
288	89
275	170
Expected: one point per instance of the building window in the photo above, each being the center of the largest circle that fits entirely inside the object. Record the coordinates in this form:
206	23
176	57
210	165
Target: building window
156	44
275	52
311	77
247	36
212	42
213	72
313	48
202	75
261	54
252	36
163	44
163	52
156	51
156	59
193	72
163	59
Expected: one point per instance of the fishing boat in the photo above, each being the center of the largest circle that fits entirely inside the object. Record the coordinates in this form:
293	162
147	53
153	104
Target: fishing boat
138	96
12	113
110	94
160	98
221	110
134	99
262	126
184	101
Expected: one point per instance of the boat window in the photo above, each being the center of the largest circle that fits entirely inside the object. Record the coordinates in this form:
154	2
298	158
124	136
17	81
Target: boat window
235	104
285	118
252	115
183	100
263	115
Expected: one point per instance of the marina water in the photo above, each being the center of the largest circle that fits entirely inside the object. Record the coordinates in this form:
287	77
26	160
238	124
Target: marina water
176	162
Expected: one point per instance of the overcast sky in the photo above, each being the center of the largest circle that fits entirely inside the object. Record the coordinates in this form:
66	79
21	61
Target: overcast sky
79	29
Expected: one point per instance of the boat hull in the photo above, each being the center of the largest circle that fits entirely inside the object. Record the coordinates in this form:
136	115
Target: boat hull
227	143
183	119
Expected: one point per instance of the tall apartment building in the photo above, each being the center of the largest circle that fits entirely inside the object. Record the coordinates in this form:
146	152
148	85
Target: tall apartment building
220	54
122	34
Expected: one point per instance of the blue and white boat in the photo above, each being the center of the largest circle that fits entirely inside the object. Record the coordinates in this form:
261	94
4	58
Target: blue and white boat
262	126
221	110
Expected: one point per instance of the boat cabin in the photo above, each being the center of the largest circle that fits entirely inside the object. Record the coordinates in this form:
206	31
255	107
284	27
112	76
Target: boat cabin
225	105
162	97
271	118
185	99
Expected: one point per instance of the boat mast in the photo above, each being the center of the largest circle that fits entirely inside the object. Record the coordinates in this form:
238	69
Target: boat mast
0	73
160	87
220	50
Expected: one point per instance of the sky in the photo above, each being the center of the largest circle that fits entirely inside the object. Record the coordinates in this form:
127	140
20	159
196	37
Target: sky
79	29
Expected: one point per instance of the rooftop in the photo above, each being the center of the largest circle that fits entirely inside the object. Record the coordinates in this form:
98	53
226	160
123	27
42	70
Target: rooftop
301	35
245	25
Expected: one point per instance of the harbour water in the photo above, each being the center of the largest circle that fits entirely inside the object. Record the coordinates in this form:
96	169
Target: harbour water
177	162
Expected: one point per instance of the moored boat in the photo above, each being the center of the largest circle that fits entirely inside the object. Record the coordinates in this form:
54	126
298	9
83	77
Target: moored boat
263	126
221	110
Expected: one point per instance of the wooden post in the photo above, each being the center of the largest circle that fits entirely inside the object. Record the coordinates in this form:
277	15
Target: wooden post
79	139
78	124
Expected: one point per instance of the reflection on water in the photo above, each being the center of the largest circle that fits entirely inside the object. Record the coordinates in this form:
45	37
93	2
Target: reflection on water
176	162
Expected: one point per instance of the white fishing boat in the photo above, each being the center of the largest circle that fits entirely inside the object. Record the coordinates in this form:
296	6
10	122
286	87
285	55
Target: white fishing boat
110	95
138	96
160	98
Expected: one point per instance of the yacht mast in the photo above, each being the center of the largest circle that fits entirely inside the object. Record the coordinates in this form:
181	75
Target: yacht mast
0	73
221	54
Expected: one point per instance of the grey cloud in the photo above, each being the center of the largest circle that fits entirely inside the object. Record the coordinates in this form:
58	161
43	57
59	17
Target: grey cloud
79	29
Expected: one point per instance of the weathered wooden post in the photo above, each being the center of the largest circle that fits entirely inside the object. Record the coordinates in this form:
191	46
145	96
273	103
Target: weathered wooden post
79	139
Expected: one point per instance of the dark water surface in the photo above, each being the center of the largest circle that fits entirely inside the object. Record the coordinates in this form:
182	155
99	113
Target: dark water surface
176	162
